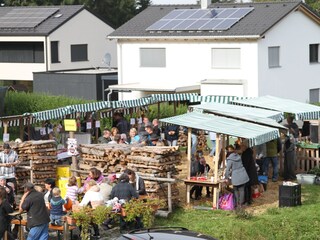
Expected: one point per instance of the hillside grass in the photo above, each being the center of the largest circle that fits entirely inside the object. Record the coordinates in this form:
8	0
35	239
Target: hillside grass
301	222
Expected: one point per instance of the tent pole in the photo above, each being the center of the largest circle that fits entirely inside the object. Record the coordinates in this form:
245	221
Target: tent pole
189	164
216	161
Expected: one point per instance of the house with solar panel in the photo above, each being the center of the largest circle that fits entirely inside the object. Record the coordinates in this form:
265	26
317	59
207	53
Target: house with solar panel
248	49
50	38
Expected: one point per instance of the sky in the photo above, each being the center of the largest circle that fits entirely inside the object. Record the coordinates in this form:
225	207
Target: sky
174	1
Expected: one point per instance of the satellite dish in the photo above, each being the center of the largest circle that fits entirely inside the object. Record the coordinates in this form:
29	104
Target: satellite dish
107	59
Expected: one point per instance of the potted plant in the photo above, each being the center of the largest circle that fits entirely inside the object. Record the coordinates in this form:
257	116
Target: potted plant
142	208
85	216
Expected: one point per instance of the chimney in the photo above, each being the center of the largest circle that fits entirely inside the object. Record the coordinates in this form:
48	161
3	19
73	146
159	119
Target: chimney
205	4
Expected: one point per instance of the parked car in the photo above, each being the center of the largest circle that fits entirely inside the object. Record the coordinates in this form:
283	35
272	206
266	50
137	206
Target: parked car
164	233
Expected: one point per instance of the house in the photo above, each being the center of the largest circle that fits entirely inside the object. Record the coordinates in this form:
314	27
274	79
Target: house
51	38
248	49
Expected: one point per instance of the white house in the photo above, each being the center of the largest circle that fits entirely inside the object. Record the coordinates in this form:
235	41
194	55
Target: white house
50	38
249	49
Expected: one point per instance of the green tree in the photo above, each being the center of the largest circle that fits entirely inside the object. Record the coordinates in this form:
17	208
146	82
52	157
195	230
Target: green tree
142	4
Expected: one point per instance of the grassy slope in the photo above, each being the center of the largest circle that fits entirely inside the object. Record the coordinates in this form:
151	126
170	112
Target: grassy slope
301	222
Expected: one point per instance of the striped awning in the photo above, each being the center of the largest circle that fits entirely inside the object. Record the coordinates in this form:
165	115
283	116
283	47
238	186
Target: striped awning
255	115
216	99
256	134
173	97
57	113
14	121
302	111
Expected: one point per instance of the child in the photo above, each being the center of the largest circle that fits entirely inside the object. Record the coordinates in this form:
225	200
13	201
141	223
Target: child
5	209
72	189
56	207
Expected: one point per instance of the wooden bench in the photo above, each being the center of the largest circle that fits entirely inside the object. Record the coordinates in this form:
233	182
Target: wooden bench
58	229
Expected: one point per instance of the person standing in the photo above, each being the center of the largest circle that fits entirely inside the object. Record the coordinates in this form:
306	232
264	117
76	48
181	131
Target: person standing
239	176
37	213
289	158
271	155
250	166
8	161
5	209
10	193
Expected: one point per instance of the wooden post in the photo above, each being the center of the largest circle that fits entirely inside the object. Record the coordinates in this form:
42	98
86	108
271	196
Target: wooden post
21	128
189	164
65	229
175	108
223	147
5	127
169	194
29	132
74	159
216	162
31	171
158	110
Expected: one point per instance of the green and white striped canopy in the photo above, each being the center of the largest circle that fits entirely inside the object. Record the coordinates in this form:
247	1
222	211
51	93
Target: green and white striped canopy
256	134
173	97
214	98
255	115
302	111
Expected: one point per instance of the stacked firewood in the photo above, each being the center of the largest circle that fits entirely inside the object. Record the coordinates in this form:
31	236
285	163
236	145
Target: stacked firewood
202	140
183	138
108	158
38	158
156	162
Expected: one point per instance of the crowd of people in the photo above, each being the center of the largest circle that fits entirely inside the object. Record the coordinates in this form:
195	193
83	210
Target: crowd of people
45	205
147	132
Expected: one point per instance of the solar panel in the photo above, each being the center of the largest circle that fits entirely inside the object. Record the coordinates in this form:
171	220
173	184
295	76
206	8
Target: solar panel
215	19
26	17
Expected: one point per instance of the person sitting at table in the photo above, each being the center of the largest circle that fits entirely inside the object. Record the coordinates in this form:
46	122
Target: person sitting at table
94	174
49	185
204	168
5	209
136	181
195	171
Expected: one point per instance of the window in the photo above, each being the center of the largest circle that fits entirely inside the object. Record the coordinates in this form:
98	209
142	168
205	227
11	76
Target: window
226	58
274	57
314	53
152	57
22	52
79	52
54	52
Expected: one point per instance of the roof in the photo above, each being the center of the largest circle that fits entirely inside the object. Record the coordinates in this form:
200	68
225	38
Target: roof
256	134
254	115
154	87
302	111
47	26
253	25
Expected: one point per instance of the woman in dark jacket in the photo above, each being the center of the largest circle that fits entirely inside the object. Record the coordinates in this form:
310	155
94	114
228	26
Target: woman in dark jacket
5	209
171	134
249	164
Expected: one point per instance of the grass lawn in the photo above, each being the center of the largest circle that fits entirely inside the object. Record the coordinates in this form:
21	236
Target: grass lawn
302	222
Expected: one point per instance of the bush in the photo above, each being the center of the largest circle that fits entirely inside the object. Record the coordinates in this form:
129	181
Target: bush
17	103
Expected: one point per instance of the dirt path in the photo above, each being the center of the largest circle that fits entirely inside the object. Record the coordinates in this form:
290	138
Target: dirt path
268	199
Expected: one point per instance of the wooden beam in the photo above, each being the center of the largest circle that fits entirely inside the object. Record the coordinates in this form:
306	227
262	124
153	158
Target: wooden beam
189	164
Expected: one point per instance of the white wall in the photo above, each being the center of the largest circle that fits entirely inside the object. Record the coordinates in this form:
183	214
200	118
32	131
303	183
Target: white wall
84	28
187	62
296	75
21	71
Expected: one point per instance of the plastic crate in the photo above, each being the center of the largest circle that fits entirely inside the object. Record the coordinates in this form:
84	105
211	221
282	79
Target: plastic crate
289	201
289	191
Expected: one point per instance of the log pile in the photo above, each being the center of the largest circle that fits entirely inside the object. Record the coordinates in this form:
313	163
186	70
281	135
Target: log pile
108	158
183	138
202	140
156	162
38	158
